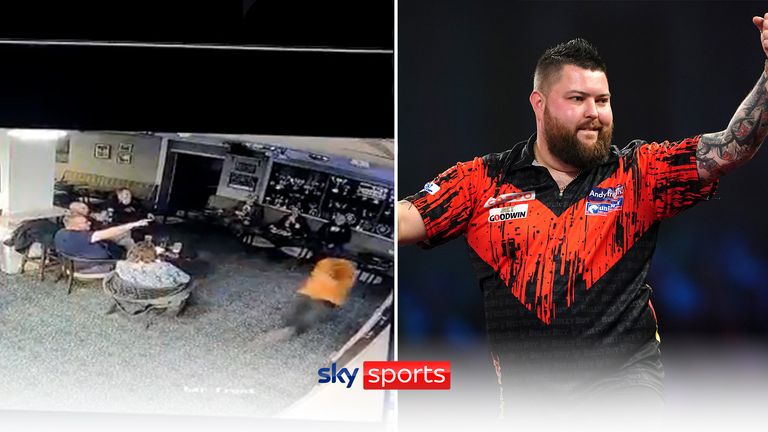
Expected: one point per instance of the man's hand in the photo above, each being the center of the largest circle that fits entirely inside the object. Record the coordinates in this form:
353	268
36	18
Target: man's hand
762	26
140	223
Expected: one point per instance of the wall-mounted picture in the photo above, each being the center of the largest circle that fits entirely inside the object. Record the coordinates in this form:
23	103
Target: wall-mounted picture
125	148
245	167
124	158
242	181
62	151
102	151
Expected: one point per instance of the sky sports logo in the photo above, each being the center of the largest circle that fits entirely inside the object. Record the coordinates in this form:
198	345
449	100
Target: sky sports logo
392	375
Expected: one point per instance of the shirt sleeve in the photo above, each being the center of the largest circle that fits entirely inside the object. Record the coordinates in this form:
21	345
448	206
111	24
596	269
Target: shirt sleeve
447	202
670	176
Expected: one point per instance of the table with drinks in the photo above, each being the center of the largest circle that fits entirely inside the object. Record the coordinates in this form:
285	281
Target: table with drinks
171	251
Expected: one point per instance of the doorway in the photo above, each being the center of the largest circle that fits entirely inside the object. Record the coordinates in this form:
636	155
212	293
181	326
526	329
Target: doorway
195	178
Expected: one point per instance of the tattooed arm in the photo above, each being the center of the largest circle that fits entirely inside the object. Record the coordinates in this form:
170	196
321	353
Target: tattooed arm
410	225
721	152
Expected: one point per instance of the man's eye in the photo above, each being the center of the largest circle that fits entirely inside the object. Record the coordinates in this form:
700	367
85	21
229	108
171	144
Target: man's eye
603	101
577	98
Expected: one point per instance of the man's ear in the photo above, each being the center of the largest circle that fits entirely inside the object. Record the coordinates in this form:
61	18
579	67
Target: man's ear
538	101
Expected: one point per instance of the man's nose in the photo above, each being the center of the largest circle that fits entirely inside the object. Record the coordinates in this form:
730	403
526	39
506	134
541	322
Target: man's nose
590	109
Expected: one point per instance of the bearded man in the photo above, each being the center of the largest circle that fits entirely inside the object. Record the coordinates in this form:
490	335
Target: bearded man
561	229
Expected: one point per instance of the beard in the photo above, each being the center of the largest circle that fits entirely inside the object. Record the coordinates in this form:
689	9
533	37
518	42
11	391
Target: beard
565	145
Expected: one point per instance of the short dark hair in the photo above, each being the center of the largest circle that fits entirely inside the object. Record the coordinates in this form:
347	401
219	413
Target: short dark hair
577	52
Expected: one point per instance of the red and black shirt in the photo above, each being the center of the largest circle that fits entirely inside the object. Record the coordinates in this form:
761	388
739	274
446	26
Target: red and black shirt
563	274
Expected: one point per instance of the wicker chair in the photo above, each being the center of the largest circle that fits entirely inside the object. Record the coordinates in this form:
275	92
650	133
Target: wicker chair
136	299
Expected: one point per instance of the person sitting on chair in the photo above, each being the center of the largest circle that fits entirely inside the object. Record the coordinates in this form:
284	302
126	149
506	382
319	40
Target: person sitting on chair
247	217
142	267
289	230
333	235
80	208
124	208
100	221
79	241
141	283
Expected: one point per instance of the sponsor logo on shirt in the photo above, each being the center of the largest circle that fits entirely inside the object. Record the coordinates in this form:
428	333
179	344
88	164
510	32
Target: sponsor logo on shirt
602	201
510	197
502	214
431	188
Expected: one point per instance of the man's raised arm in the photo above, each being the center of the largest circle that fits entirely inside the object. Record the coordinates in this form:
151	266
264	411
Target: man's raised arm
410	225
116	231
721	152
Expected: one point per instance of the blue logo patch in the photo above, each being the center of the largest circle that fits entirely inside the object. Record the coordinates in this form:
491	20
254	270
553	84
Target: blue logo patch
431	188
602	201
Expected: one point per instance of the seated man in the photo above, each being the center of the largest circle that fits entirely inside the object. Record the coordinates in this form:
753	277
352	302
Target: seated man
333	235
246	218
291	229
77	239
124	208
80	208
100	221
